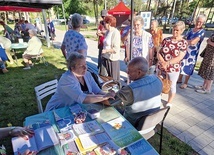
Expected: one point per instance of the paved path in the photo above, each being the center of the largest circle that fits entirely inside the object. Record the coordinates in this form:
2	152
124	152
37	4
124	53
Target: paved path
191	118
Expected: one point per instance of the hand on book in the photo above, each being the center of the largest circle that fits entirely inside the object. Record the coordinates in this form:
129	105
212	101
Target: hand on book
22	132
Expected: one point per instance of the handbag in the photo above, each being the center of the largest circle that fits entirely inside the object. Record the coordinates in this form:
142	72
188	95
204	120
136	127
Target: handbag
203	53
166	83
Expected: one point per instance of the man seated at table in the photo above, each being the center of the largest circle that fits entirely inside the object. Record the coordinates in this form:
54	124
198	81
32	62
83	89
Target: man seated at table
33	50
142	96
76	85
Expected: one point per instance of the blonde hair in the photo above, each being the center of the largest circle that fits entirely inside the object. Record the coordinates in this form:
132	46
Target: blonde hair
180	24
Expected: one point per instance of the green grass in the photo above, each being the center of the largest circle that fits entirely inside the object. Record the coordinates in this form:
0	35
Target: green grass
17	98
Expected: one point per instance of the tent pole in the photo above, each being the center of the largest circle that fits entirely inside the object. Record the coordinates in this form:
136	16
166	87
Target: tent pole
63	10
46	28
131	32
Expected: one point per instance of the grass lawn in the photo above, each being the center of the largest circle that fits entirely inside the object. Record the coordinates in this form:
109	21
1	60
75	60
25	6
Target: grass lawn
17	98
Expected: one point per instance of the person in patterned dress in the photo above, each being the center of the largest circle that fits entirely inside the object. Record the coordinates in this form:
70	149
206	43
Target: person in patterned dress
74	41
194	37
142	42
172	51
206	70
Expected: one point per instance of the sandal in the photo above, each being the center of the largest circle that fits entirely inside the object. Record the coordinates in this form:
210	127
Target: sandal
183	86
179	82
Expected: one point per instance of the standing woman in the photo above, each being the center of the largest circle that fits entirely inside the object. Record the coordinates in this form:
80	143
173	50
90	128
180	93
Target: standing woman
172	51
74	41
194	37
157	37
142	42
206	70
111	49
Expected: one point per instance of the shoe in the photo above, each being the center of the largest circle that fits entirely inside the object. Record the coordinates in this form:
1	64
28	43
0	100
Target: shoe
169	105
203	91
5	70
198	87
26	68
183	86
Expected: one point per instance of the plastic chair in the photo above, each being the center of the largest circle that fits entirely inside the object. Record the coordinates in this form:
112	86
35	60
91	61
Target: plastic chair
40	57
43	91
146	125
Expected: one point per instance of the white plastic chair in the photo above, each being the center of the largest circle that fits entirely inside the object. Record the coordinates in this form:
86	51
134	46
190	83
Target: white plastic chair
43	91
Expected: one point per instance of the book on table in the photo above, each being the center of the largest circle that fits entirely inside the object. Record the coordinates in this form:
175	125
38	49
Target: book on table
43	138
141	147
71	148
108	114
108	148
66	137
87	128
121	131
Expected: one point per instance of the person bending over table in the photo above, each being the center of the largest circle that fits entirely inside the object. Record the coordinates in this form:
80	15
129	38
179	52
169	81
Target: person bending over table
16	132
34	48
77	85
142	96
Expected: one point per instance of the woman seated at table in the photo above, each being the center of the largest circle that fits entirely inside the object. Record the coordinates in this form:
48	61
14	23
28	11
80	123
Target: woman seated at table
76	85
34	49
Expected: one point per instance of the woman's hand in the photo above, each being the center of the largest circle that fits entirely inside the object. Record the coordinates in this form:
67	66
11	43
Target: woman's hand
104	51
109	95
126	60
164	65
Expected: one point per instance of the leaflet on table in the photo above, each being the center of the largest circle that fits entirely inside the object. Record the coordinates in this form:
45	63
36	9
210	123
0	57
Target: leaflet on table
95	140
108	148
71	148
66	137
44	137
141	147
121	131
108	114
87	128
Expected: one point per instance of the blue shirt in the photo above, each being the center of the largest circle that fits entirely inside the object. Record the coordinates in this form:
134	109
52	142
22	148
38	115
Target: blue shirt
73	42
69	91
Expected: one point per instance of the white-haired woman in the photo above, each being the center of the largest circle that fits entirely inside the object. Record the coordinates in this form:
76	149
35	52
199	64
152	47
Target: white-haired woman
74	41
194	37
34	48
142	42
172	51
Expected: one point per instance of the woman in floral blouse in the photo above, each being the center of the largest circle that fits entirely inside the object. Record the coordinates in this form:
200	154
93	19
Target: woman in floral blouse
172	51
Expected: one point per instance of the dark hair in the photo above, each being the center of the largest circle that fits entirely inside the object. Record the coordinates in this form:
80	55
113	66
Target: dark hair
110	20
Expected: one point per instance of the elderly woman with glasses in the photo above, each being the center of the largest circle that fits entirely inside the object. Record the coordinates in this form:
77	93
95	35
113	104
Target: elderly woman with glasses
76	85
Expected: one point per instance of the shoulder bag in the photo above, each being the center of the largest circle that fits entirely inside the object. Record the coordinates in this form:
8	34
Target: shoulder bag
166	83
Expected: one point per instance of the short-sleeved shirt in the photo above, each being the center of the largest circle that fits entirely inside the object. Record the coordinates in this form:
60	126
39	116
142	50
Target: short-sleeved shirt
73	42
171	49
137	50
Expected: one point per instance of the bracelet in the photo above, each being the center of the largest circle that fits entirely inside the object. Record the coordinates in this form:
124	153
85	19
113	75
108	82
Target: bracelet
11	130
